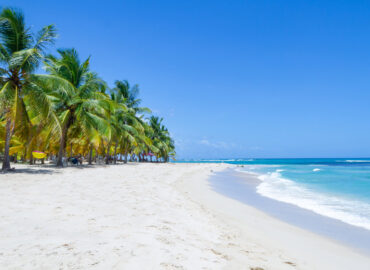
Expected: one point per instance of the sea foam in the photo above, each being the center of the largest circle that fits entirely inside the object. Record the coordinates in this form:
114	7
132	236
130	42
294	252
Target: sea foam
356	161
276	187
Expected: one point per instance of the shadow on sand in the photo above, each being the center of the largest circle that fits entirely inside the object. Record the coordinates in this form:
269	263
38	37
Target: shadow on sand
52	169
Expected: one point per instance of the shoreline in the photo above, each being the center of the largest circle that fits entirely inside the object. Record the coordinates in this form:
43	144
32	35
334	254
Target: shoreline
307	250
241	185
147	216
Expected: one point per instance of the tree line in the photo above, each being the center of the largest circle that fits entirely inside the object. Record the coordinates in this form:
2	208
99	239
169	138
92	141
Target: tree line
68	110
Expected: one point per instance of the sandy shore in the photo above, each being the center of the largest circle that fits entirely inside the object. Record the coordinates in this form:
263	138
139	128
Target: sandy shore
147	216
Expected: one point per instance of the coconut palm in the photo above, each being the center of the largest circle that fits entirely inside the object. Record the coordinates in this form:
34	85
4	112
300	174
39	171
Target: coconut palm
20	54
66	109
79	107
161	139
132	133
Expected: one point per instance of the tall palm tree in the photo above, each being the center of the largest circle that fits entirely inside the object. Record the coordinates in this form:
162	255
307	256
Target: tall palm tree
79	106
68	108
20	55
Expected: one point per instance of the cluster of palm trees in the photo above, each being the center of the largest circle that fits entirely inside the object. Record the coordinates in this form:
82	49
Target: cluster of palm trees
68	110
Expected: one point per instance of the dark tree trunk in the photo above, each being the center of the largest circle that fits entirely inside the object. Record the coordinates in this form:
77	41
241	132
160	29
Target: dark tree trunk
90	155
31	159
71	151
126	154
61	148
24	156
107	155
8	136
115	152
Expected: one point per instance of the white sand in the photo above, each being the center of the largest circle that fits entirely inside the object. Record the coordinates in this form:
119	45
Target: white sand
147	216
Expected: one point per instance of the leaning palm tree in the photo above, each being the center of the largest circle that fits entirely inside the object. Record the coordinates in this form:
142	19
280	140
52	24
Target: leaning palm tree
80	105
161	138
20	55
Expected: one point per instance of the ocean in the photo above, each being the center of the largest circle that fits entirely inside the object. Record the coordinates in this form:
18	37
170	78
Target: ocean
337	188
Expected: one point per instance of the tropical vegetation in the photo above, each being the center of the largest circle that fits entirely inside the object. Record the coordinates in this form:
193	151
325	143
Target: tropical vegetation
67	110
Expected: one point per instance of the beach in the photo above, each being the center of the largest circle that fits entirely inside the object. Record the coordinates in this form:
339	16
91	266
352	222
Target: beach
147	216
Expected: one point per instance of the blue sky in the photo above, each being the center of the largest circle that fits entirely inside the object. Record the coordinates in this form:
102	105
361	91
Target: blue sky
233	78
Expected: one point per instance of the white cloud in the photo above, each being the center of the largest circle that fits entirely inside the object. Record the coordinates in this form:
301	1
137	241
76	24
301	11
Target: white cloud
217	144
205	142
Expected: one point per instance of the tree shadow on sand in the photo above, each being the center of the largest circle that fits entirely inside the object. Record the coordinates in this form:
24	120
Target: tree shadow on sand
29	171
52	169
32	169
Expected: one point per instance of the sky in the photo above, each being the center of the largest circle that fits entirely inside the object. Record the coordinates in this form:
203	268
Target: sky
232	79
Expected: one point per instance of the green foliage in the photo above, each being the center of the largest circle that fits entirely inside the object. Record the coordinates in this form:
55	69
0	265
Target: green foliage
70	109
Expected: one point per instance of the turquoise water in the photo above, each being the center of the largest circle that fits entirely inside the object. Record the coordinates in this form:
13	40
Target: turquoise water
336	188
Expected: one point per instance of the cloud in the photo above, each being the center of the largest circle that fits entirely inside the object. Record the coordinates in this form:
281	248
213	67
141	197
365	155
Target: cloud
179	143
198	148
205	142
217	144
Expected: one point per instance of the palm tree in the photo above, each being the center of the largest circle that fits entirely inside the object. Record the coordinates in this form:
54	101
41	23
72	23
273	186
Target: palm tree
68	108
132	127
20	55
80	105
161	139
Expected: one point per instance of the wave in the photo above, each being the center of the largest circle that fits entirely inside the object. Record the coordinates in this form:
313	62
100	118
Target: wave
223	160
316	170
353	212
212	160
356	160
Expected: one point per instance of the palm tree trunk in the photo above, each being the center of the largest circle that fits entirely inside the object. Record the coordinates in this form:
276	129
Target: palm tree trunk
8	136
61	147
71	152
90	155
107	155
24	156
31	159
126	154
115	152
